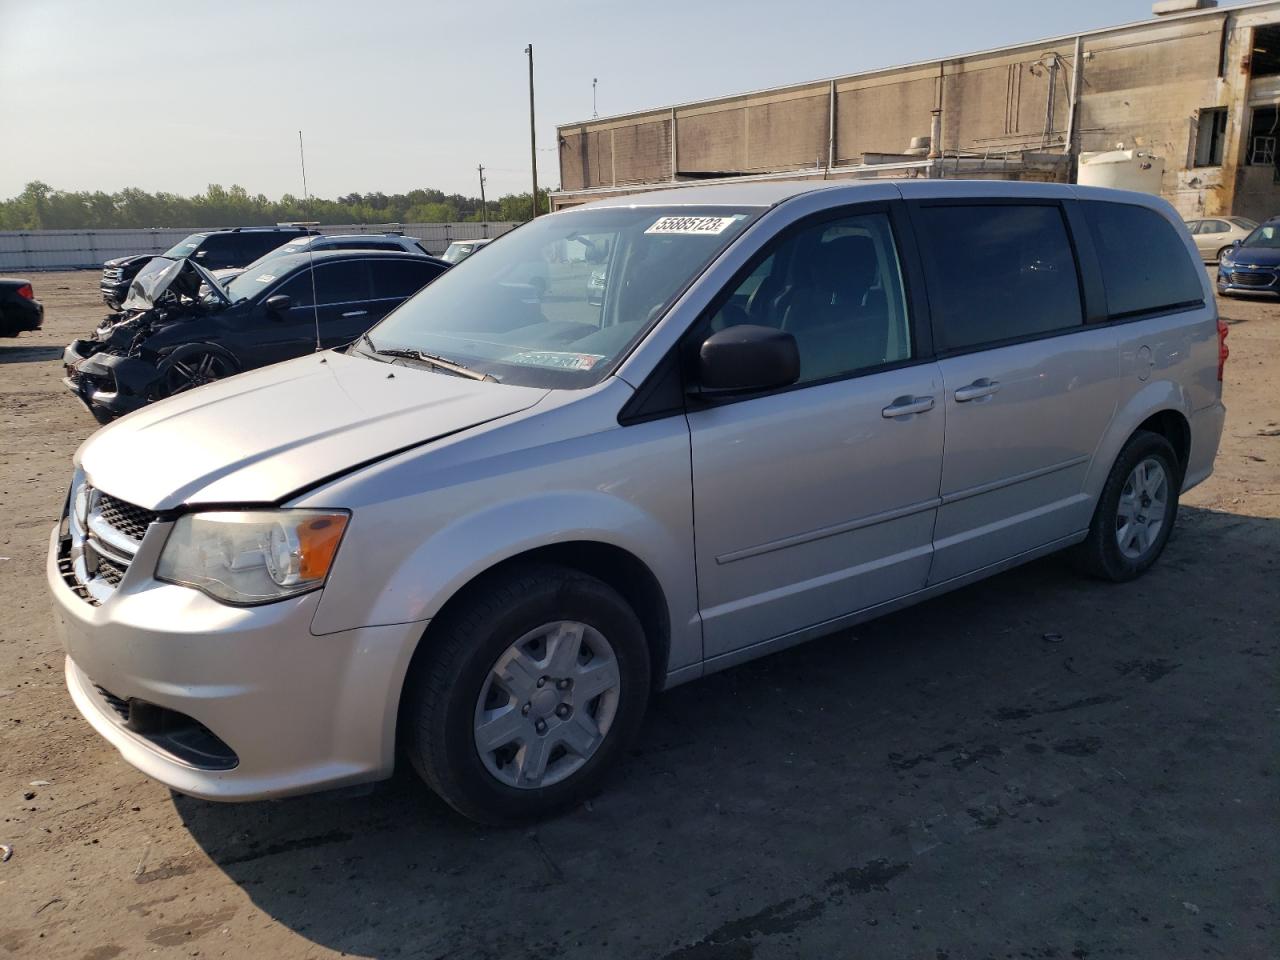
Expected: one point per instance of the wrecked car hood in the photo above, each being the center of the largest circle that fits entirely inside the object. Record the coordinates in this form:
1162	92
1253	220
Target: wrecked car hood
161	276
260	436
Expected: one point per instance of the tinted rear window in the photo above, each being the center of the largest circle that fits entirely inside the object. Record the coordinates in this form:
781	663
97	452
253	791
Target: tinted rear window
1145	264
998	272
400	278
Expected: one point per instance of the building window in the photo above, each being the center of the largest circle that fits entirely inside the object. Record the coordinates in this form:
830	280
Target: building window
1211	136
1263	134
1264	58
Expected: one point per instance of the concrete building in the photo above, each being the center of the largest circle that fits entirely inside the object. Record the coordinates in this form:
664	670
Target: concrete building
1196	85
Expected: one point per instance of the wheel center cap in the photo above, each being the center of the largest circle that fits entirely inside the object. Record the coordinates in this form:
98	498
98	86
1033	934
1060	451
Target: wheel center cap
544	702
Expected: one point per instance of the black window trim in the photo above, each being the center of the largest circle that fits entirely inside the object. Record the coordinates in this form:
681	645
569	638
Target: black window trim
651	402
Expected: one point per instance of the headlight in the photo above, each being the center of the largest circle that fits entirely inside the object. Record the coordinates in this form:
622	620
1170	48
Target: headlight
252	556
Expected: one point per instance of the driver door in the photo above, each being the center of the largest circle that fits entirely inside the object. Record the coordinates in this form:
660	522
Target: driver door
818	500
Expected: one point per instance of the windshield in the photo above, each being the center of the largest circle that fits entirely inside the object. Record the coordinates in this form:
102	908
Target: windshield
458	252
1267	235
185	248
528	312
259	274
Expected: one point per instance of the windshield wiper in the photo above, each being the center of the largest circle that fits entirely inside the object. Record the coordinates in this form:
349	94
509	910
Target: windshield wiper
440	363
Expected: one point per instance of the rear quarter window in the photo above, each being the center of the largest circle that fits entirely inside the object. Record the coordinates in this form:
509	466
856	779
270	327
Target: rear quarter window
1145	264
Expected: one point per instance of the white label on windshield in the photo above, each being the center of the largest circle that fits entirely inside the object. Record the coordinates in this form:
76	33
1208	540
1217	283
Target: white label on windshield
692	225
265	277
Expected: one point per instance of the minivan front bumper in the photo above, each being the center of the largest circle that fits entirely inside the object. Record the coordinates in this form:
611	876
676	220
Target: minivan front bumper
229	703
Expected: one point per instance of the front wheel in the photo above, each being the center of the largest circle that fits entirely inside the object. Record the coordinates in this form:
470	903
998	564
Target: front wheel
1136	511
523	698
194	366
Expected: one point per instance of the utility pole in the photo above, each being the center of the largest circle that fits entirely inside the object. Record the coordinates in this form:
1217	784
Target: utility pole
533	140
484	207
595	114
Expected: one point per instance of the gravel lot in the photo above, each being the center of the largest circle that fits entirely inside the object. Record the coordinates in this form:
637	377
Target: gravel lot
944	783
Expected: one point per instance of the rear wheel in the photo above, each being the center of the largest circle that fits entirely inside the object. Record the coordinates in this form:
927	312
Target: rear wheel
526	695
1136	511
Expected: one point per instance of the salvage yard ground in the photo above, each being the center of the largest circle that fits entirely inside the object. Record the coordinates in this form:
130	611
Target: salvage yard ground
1036	766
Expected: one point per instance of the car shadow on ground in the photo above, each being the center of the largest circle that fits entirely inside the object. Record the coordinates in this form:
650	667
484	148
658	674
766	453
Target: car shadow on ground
28	354
985	771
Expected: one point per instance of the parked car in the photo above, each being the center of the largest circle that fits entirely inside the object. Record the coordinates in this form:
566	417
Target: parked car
1215	236
349	241
213	250
1252	265
459	250
181	328
485	532
19	308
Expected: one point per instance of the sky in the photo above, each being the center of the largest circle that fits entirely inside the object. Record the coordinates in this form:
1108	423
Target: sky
392	95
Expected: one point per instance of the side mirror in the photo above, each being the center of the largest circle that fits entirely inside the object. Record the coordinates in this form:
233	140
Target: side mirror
747	359
279	303
1236	243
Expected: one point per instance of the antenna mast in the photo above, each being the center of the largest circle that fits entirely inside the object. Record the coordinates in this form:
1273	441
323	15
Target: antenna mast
311	254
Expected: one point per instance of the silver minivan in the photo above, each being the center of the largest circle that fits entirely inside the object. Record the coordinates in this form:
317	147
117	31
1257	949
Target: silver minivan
481	537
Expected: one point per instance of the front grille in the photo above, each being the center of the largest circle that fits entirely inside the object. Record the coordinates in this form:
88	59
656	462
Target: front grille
110	571
1246	279
112	274
95	556
130	520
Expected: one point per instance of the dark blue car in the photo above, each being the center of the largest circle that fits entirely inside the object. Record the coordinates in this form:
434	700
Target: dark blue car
1253	264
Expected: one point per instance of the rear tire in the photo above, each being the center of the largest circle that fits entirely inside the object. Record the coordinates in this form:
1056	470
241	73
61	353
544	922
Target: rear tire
505	723
1136	511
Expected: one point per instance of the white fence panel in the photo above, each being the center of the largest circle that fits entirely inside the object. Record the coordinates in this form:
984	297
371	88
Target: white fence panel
35	250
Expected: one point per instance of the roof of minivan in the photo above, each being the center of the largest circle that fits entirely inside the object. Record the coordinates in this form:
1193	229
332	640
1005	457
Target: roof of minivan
767	194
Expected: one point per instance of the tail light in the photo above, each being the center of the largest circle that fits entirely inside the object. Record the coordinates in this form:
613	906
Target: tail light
26	291
1223	351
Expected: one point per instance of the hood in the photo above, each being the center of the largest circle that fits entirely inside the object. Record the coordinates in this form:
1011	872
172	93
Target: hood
260	436
129	260
161	276
1254	257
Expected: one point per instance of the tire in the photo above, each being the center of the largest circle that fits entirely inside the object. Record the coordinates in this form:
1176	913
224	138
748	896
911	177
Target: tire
193	366
468	684
1123	543
1222	253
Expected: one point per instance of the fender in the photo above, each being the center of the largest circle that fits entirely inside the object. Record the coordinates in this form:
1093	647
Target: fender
467	546
1155	397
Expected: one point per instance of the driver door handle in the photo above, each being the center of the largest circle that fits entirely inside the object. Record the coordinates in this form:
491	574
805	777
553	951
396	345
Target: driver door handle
977	390
355	313
906	406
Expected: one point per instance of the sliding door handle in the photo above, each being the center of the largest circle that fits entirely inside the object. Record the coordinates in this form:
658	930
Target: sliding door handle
977	390
906	406
355	313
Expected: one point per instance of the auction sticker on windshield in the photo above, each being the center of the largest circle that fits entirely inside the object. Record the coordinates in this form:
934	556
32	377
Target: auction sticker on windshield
692	225
558	359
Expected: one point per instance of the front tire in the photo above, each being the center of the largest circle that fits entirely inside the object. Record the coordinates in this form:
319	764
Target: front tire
525	696
1136	511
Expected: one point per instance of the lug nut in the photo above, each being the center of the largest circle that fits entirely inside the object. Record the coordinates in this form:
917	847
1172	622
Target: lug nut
525	710
563	711
564	684
540	726
542	681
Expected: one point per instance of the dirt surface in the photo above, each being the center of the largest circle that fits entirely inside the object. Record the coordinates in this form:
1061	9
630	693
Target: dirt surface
1036	766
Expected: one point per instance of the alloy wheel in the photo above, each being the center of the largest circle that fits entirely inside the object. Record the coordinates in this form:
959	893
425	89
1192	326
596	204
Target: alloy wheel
195	370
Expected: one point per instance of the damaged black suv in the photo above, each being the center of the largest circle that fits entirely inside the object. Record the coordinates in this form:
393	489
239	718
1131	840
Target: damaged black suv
213	250
180	327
